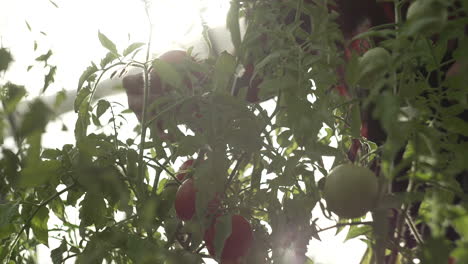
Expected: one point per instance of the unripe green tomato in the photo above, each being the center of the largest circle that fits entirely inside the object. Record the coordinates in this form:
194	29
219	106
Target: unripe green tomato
426	16
350	191
170	190
373	62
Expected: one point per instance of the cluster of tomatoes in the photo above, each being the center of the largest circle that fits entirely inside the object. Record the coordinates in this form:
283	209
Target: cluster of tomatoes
239	241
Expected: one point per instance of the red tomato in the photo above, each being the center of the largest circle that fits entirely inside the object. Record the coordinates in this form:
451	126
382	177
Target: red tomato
185	166
185	201
237	244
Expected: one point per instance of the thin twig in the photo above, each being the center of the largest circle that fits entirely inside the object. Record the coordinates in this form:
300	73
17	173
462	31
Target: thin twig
69	257
345	224
161	166
234	172
28	221
413	229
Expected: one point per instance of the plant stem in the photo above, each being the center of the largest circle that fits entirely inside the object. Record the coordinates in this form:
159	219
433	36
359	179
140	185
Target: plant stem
28	221
234	171
345	224
144	126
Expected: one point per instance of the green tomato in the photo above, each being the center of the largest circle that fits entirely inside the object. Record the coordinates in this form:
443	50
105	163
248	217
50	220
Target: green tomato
350	191
426	16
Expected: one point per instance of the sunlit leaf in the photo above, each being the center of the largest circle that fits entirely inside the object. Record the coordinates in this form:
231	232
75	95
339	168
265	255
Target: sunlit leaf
57	254
93	210
232	23
102	107
107	43
45	56
39	225
224	71
49	78
132	48
40	173
5	59
86	75
110	56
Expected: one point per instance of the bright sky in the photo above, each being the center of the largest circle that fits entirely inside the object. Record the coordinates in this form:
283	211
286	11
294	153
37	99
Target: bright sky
71	32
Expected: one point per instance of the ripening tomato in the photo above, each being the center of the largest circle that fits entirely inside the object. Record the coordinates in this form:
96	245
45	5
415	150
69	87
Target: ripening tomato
237	244
185	201
185	166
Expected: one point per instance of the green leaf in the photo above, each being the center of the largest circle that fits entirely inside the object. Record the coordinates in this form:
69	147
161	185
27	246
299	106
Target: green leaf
272	56
224	71
57	254
36	119
8	213
355	231
188	145
367	257
60	98
5	59
39	225
435	251
182	256
93	253
58	208
85	76
223	228
142	251
53	3
102	107
461	225
288	177
271	87
11	95
6	231
284	138
93	211
80	98
456	125
132	47
44	57
39	173
27	25
49	78
107	43
110	56
232	23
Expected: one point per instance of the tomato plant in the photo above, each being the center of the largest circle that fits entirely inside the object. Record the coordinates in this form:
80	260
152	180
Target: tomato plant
379	88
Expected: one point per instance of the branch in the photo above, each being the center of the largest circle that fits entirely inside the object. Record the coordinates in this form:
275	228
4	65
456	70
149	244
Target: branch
161	166
28	221
234	172
345	224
